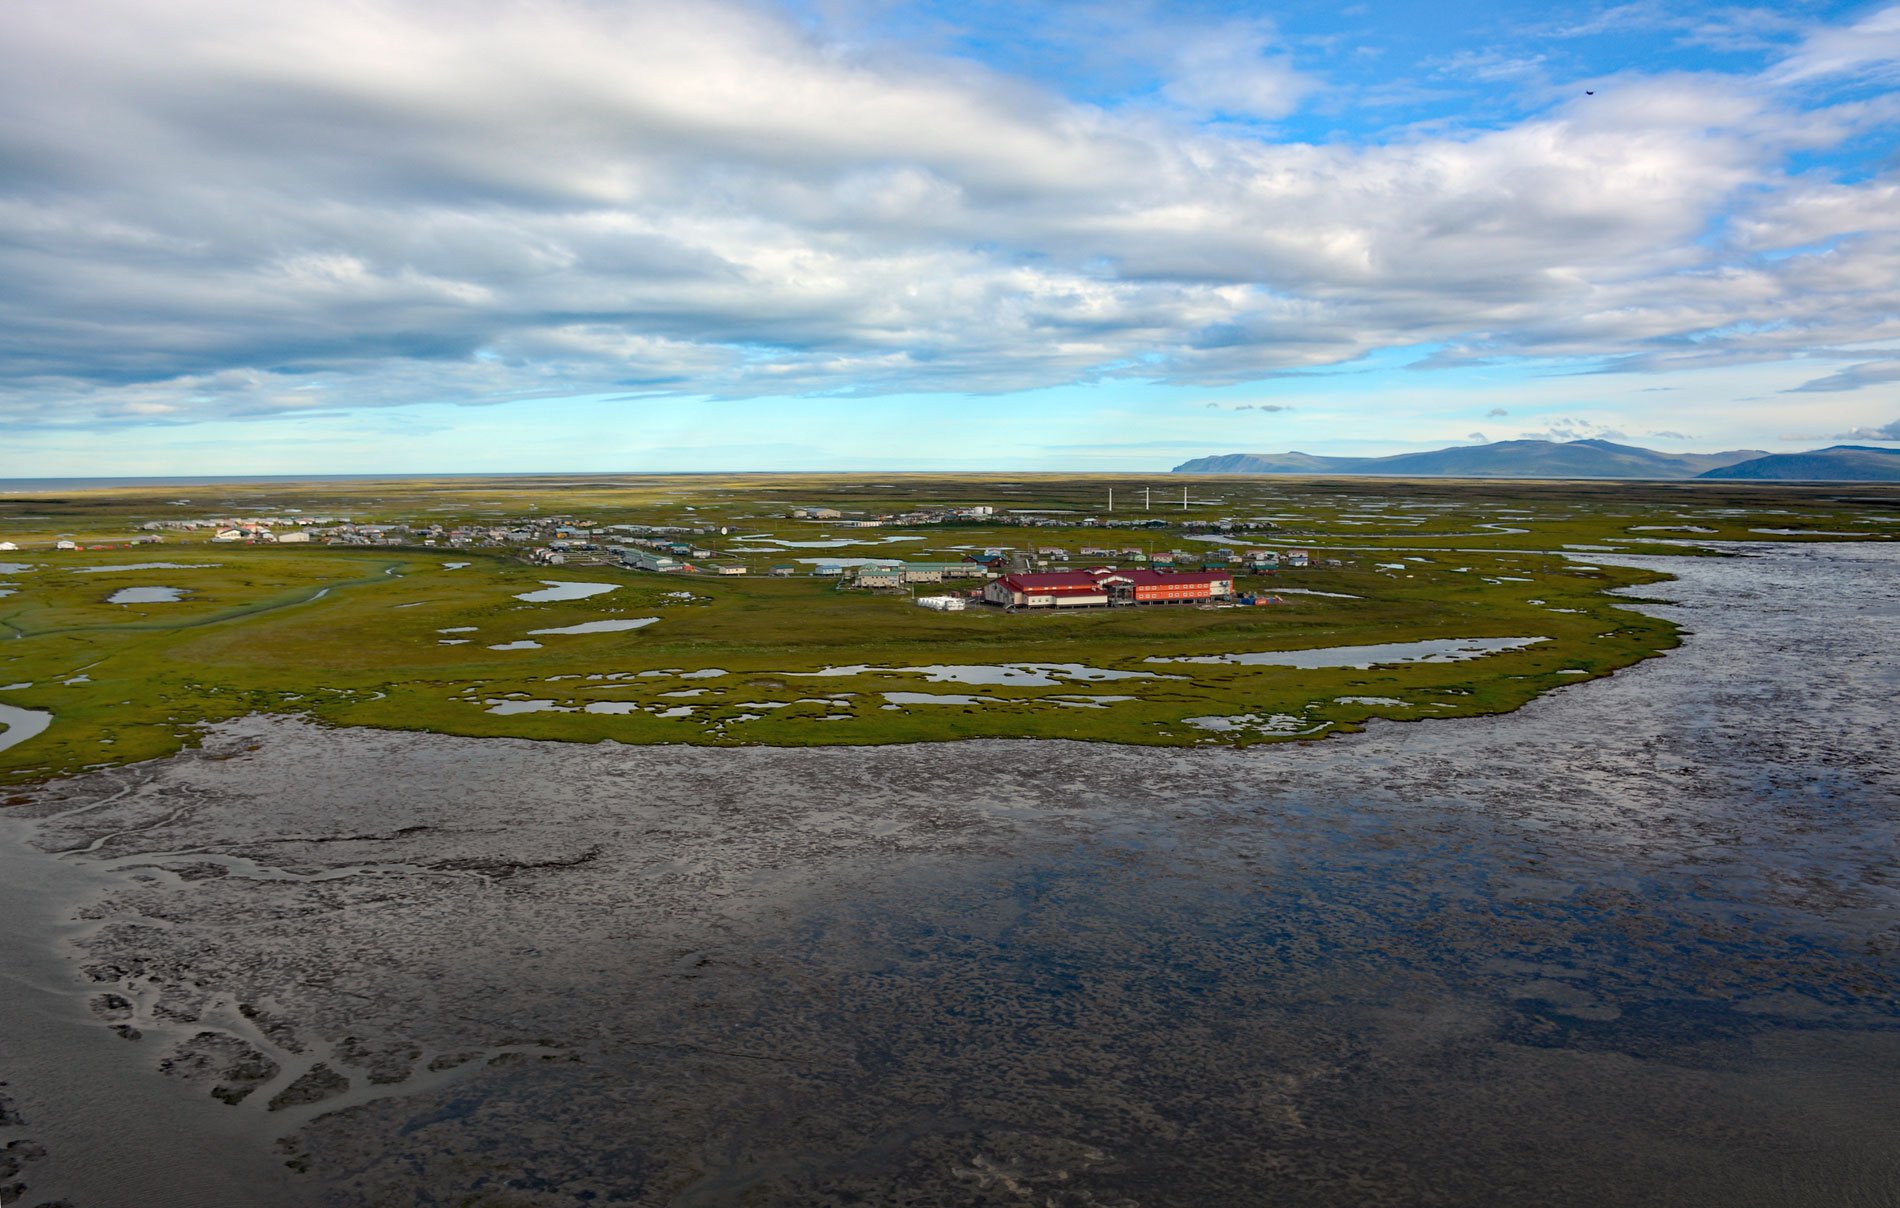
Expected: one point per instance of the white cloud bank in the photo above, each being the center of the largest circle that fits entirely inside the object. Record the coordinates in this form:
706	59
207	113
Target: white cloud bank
215	208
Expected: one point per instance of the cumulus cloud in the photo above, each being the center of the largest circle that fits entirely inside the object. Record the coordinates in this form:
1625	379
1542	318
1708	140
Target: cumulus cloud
1573	429
1478	437
1235	69
1496	413
1883	432
216	208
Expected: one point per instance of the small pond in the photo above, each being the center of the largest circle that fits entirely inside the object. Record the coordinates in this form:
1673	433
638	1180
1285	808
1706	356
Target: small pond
558	589
21	724
616	626
1023	675
105	570
1434	650
146	595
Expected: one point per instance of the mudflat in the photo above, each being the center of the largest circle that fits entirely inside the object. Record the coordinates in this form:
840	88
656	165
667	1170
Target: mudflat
1634	943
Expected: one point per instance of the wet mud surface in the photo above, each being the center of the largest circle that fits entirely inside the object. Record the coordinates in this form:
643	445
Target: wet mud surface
1638	943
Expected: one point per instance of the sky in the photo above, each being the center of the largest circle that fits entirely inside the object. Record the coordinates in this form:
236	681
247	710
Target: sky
369	236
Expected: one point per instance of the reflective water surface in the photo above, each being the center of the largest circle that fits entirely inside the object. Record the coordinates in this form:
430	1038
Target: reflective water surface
146	595
1634	944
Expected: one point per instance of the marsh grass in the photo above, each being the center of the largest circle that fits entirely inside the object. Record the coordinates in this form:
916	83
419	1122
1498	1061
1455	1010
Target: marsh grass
352	635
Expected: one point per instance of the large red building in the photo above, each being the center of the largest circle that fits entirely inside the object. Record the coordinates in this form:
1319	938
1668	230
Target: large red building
1064	589
1165	587
1072	589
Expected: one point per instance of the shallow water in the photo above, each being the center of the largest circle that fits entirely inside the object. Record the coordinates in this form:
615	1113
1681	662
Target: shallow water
831	543
506	708
617	626
103	570
21	724
111	1139
1434	650
558	589
146	595
1022	675
1631	945
1258	723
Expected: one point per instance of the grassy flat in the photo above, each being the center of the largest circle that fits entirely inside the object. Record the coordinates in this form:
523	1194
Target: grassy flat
390	636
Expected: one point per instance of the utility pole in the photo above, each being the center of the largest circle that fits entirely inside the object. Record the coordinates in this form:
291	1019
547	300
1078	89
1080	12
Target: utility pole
1111	499
1147	499
1184	499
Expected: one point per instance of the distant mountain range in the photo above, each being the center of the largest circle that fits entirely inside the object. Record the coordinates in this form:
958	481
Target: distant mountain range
1572	459
1842	463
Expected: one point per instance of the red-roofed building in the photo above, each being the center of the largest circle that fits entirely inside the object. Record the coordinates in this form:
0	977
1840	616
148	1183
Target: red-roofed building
1165	587
1071	589
1063	589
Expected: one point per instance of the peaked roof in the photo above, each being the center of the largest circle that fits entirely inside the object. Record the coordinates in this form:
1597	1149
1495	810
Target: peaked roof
1067	580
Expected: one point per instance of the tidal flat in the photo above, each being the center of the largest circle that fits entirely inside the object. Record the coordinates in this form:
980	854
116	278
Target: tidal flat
1636	943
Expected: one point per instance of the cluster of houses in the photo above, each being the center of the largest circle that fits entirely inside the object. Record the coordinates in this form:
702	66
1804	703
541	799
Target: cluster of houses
68	543
551	540
902	574
1258	561
289	530
242	524
1012	577
975	513
986	515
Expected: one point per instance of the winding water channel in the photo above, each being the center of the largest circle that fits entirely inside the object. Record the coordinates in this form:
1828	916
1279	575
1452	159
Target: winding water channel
1634	944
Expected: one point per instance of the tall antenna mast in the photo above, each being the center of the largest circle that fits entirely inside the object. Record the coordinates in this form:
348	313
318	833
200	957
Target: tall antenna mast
1147	499
1184	499
1111	499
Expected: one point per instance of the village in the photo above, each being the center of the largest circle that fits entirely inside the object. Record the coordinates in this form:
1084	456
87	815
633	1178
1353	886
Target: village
1007	577
494	588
